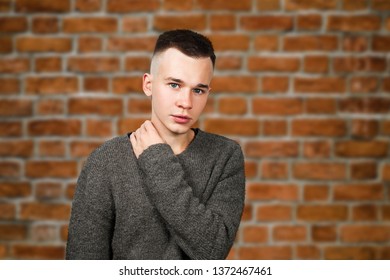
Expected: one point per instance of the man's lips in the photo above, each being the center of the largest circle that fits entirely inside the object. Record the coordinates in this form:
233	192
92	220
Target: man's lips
181	118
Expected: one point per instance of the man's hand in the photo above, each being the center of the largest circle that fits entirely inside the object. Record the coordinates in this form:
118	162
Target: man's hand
144	137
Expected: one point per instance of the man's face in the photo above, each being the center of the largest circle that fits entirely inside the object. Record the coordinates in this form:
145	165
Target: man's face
179	86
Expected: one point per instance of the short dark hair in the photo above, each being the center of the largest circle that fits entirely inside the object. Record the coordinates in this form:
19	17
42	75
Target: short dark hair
188	42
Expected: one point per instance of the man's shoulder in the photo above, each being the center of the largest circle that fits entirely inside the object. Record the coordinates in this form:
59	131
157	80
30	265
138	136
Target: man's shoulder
218	142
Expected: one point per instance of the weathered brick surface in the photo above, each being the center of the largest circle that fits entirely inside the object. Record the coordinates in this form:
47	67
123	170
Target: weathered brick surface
302	85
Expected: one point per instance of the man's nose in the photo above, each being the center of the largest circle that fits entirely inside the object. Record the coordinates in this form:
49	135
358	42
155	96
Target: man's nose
185	99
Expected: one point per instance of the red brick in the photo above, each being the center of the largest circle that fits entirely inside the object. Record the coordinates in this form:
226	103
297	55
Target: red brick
134	25
295	5
54	127
385	210
275	127
274	213
223	22
268	191
129	125
54	148
349	253
386	84
317	149
386	172
273	64
363	170
318	127
358	192
14	65
274	170
354	23
47	211
15	108
276	23
354	43
3	247
265	253
54	169
44	233
353	64
308	252
319	171
83	148
178	5
375	105
277	107
381	5
128	6
268	5
137	105
70	190
275	84
250	169
88	5
45	25
5	6
90	24
242	127
375	149
266	43
42	6
43	44
50	107
316	64
191	21
233	84
16	148
222	42
364	128
96	84
365	233
324	233
354	5
51	85
364	84
309	22
321	106
124	44
310	43
90	44
244	5
255	234
247	213
316	193
137	64
12	232
9	86
13	24
233	106
123	85
64	233
39	252
104	107
48	64
279	148
294	233
320	85
381	43
10	128
7	211
93	64
365	213
6	44
315	213
9	169
15	189
228	62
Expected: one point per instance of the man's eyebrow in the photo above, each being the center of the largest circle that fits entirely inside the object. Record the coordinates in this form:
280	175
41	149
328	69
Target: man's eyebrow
182	82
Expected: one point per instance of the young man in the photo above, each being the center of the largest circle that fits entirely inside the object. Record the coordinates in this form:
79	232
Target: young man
165	191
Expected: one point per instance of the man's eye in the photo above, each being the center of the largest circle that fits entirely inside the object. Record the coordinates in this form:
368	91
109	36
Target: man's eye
174	85
198	91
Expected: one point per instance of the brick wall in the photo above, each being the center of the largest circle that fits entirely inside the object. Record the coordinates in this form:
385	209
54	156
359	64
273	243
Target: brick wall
303	85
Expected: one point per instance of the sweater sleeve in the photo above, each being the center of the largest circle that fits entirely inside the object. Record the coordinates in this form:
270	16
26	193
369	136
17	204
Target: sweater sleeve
203	231
92	217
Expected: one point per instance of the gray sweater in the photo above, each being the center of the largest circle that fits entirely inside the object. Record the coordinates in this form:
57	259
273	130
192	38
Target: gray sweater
161	206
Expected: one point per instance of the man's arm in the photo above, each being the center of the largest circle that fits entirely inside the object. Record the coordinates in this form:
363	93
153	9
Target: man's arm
90	228
203	231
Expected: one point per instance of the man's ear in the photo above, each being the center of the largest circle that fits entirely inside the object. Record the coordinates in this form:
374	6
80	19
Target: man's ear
147	84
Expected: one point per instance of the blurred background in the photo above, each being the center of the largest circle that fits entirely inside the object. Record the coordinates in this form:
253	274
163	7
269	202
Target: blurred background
302	85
